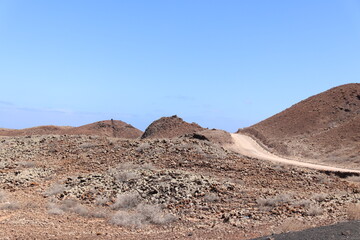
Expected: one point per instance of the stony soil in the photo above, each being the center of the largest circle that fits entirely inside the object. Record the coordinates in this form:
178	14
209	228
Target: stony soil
91	187
324	127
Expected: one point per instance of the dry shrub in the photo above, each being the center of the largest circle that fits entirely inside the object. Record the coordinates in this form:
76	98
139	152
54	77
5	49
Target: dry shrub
302	203
101	200
73	206
272	202
27	164
314	211
9	206
322	179
353	211
6	204
54	209
148	166
211	197
123	218
291	225
154	214
126	176
142	147
3	196
320	197
54	189
353	179
143	214
126	200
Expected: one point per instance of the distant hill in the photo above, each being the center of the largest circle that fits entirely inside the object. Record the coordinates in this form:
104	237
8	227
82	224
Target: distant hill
170	127
325	127
109	128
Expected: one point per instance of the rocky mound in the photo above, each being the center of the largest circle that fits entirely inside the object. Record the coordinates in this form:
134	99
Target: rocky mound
325	126
170	127
109	128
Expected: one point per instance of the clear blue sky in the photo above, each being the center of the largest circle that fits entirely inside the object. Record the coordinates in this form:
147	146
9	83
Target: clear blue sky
223	64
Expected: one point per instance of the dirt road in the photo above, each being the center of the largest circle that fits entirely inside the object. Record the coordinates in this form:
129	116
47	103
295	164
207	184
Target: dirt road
247	146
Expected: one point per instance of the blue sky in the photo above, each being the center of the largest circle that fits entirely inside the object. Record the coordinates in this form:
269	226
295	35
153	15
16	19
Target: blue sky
223	64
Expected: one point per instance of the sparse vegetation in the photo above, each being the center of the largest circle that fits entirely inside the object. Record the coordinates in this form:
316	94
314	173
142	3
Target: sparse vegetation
6	203
302	203
101	200
271	202
290	225
141	215
9	206
353	179
126	176
142	147
126	200
27	164
54	189
314	210
353	211
211	197
319	197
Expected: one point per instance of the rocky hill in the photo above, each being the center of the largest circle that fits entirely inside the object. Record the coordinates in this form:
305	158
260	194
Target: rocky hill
324	127
108	128
170	127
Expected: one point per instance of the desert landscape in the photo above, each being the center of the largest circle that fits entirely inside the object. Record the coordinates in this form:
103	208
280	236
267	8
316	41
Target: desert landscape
294	171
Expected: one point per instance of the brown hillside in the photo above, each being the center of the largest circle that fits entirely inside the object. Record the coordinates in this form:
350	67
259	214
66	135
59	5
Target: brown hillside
325	127
170	127
109	128
41	130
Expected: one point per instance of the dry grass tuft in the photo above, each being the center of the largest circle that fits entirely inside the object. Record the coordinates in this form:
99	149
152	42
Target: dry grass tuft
353	211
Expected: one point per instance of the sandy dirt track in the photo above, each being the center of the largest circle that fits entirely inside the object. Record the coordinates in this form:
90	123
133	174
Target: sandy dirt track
247	146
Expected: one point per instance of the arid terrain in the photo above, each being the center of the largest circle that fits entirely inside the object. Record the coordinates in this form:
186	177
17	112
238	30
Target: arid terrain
177	180
324	128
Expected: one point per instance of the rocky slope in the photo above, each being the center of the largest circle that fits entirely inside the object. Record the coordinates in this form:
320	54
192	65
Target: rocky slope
324	127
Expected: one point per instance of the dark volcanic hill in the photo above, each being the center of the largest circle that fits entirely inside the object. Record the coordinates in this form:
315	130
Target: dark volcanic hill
324	127
108	128
170	127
